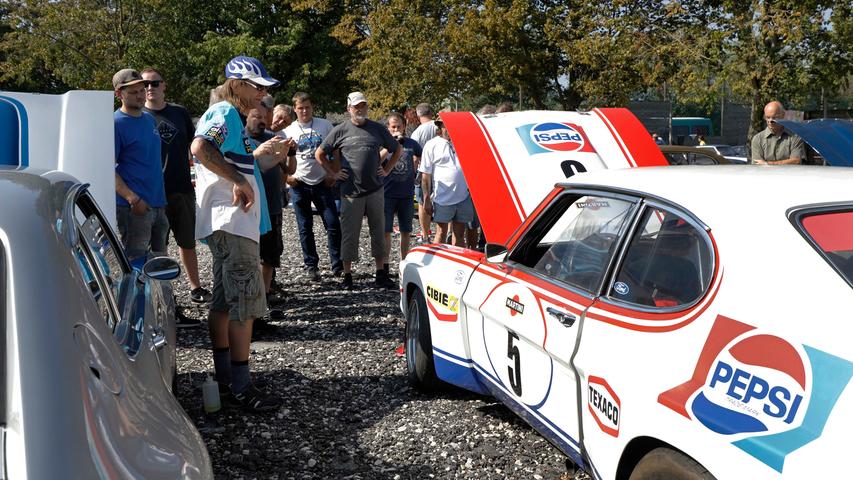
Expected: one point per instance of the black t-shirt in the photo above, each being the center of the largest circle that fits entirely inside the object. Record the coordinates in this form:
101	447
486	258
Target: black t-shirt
176	132
360	146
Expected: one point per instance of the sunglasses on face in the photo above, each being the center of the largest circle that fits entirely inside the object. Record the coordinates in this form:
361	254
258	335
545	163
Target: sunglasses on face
257	87
152	83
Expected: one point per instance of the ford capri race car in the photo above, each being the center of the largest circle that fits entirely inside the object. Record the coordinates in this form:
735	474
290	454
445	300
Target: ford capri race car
674	322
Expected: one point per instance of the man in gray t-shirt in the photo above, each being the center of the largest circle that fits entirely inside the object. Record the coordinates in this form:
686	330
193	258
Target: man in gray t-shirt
359	141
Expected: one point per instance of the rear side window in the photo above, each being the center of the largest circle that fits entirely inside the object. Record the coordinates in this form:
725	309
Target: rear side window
831	232
668	263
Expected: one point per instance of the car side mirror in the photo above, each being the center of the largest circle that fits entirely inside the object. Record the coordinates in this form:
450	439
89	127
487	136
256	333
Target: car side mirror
495	252
161	268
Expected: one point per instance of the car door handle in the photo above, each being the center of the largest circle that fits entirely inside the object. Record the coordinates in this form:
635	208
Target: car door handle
564	318
158	337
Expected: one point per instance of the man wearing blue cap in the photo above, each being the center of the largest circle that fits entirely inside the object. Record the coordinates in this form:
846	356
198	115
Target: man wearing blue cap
228	218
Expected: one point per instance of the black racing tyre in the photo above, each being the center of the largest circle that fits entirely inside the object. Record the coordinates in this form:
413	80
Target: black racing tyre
668	464
420	364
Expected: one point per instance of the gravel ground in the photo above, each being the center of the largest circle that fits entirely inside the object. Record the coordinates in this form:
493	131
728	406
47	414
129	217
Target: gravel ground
348	411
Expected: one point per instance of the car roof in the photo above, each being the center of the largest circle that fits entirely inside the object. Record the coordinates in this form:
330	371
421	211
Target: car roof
718	190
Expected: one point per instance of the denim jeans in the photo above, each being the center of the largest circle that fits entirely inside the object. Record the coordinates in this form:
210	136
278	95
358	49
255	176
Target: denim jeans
141	232
320	196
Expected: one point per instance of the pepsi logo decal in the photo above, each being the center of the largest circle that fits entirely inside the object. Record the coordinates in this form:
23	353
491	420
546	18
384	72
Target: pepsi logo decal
768	396
515	307
553	137
604	405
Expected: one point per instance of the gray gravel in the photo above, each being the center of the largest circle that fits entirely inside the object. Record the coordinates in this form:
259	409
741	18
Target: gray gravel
348	410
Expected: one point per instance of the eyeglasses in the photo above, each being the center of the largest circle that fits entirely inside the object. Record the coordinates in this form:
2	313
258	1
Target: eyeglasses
260	88
152	83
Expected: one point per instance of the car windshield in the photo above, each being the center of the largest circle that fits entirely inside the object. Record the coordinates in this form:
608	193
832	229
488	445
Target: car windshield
740	150
832	233
727	151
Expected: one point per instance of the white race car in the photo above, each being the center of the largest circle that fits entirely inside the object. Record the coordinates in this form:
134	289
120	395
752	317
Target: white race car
674	322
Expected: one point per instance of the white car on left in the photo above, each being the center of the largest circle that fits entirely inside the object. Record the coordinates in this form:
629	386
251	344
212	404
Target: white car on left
87	355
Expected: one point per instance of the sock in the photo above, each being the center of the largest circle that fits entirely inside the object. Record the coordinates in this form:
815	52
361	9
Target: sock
222	365
240	380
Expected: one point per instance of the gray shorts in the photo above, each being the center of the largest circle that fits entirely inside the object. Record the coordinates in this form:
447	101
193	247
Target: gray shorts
353	210
139	232
237	281
462	212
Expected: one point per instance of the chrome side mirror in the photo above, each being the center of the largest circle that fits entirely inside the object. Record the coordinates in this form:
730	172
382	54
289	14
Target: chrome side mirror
161	268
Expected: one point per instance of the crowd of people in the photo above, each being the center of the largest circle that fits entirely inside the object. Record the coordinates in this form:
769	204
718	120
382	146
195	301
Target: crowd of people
251	159
248	153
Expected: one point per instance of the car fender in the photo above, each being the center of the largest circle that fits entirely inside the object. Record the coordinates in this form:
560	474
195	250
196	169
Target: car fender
442	284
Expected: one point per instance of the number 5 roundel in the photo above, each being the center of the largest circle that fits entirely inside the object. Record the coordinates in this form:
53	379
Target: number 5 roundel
514	334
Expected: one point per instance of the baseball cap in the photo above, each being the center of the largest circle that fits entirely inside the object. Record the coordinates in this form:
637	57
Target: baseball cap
355	98
126	77
249	68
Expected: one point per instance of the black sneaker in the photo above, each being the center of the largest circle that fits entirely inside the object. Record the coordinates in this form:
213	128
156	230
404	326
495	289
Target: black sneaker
314	274
183	321
382	280
337	273
201	295
254	400
275	298
346	283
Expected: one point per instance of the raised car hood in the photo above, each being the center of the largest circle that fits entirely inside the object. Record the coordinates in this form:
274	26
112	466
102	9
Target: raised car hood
72	133
513	160
832	139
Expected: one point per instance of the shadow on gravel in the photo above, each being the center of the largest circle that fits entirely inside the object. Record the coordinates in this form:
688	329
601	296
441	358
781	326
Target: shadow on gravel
317	432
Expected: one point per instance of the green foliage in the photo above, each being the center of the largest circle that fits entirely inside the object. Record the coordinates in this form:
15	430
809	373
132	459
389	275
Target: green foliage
550	53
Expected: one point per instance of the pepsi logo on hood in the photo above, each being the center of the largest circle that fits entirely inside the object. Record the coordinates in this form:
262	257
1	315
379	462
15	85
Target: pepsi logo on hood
769	396
554	137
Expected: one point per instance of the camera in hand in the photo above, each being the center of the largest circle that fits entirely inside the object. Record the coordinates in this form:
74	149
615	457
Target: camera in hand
400	139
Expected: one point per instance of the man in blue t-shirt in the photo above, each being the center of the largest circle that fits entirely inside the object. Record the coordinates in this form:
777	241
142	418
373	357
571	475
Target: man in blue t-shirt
400	187
140	195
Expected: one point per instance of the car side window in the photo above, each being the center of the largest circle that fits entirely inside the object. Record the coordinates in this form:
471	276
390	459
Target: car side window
99	260
668	263
578	241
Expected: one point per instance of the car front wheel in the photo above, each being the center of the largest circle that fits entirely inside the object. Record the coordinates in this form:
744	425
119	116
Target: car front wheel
419	360
667	464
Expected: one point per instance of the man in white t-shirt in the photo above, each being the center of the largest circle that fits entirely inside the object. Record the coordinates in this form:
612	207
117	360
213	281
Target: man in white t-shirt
311	185
446	195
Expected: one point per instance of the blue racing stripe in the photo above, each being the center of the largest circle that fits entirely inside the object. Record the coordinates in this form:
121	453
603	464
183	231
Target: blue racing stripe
462	376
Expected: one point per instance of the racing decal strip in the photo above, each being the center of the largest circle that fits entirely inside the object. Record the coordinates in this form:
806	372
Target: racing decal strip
443	317
492	181
438	251
524	411
631	136
655	322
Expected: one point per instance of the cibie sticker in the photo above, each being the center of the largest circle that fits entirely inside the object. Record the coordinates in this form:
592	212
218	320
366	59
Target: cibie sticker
444	299
553	137
768	396
604	405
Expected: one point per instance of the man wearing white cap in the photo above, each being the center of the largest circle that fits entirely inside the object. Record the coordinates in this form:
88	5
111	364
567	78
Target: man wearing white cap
362	189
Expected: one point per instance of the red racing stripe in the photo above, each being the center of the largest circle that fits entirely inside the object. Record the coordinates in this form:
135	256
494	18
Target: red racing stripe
498	204
632	137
